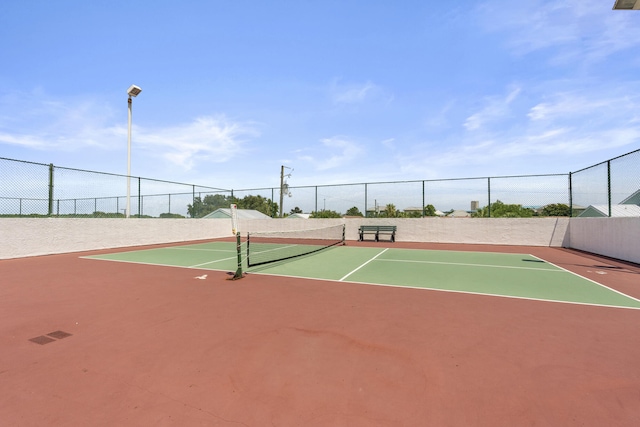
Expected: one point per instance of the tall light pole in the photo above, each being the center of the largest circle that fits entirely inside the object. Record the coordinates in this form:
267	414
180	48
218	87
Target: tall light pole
132	91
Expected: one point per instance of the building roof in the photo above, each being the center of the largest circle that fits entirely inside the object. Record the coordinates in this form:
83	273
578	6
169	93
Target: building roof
617	211
633	199
459	214
299	215
225	213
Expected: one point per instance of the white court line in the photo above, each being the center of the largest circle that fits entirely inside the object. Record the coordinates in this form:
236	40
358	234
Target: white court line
212	262
150	263
591	280
474	265
279	248
180	248
362	265
420	288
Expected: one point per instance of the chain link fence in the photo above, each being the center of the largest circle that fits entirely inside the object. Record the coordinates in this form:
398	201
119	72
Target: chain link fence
411	198
35	189
610	188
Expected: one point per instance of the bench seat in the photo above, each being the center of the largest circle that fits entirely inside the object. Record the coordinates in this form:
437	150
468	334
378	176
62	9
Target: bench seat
377	230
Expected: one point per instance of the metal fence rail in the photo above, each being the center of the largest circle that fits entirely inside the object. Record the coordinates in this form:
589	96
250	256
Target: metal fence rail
603	186
36	189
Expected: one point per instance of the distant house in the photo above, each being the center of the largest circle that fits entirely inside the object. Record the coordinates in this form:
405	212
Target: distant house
577	210
225	213
299	215
413	209
419	210
629	207
459	214
617	211
633	199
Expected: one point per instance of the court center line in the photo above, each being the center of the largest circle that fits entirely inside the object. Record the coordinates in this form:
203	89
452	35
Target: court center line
474	265
362	265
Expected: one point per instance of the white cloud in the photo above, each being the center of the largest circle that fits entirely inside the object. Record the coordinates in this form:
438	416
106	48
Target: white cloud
562	126
495	109
212	139
389	143
356	93
579	30
70	126
334	153
46	124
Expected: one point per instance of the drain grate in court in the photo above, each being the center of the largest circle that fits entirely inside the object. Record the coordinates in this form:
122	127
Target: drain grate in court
59	334
50	337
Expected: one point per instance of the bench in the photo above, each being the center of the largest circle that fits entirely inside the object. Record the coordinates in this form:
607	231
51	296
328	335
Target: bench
377	230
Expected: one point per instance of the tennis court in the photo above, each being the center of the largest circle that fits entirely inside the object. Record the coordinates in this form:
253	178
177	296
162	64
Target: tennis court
367	334
512	275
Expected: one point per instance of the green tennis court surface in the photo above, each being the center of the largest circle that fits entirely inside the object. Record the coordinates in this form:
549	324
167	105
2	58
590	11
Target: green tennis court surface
497	274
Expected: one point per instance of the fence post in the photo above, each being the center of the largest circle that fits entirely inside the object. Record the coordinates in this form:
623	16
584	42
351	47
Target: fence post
139	198
609	184
365	200
424	213
570	196
489	194
50	208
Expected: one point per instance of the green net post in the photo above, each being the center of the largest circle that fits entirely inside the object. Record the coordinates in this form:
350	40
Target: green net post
238	274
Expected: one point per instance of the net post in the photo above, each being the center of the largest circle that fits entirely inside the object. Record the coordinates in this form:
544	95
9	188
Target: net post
238	274
234	230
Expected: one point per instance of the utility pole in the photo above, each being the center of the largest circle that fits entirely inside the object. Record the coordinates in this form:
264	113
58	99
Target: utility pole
284	188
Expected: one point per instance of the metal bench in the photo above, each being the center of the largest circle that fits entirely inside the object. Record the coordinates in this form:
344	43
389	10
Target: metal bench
377	230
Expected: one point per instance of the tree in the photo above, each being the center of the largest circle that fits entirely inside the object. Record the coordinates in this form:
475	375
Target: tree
295	211
325	214
170	215
210	203
556	209
260	204
501	210
354	211
411	214
430	210
389	211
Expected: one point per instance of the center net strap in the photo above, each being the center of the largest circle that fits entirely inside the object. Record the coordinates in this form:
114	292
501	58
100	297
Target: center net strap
272	246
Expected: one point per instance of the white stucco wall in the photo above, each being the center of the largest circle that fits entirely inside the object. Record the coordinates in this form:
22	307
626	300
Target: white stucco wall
613	237
20	237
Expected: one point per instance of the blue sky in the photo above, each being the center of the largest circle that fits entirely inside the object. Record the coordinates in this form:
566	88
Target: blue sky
340	91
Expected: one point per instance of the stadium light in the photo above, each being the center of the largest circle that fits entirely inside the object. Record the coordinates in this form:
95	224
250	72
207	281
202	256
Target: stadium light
626	5
133	91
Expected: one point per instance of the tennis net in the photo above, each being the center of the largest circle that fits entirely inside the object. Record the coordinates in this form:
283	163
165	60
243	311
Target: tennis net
272	246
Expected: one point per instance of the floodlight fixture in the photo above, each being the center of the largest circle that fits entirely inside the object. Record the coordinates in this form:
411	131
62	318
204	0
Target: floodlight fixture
626	5
134	91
